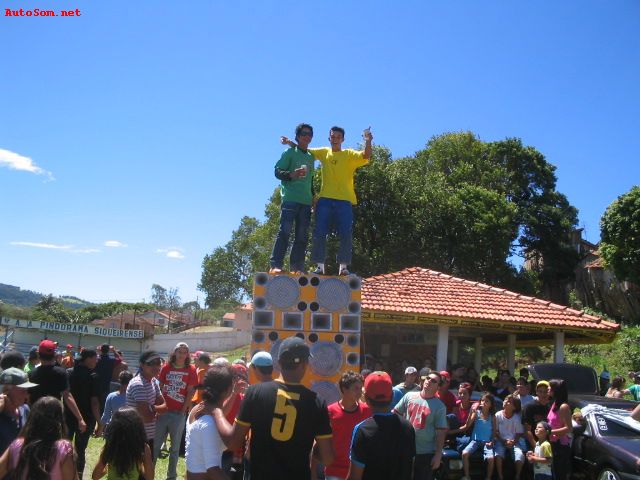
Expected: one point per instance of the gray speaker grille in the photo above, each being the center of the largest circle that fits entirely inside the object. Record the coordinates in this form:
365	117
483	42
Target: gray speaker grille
282	292
326	358
328	391
333	294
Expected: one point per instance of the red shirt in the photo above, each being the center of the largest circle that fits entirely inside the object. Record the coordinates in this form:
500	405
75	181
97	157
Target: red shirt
174	382
342	424
448	398
461	413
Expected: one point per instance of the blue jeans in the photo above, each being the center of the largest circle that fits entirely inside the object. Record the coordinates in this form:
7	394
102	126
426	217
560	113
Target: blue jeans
332	212
292	213
172	423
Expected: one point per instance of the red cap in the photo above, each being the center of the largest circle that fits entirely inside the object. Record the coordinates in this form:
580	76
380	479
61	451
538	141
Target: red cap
239	369
445	374
69	346
47	347
378	387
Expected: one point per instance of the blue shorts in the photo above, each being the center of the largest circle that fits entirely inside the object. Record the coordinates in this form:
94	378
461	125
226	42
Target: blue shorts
501	450
487	452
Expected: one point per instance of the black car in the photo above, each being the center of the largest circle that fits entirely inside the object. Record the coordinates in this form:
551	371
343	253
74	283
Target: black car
606	445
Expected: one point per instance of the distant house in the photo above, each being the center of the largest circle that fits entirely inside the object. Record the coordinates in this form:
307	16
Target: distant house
240	319
147	321
595	285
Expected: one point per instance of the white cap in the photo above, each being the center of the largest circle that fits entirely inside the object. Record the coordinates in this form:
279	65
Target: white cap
410	370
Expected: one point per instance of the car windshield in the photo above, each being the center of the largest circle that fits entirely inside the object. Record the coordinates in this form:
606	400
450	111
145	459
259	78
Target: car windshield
579	379
612	428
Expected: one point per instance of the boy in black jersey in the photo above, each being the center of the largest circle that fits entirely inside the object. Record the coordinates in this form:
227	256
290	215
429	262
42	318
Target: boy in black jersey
284	418
383	446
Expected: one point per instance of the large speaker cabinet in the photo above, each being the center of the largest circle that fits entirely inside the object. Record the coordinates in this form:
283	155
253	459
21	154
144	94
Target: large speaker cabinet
324	311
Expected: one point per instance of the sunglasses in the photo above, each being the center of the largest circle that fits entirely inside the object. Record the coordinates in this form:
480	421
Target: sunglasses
433	380
305	134
154	363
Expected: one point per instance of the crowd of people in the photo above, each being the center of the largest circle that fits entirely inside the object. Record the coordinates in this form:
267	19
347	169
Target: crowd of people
264	428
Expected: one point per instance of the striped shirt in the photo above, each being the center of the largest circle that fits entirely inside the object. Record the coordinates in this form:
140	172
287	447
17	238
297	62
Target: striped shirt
142	390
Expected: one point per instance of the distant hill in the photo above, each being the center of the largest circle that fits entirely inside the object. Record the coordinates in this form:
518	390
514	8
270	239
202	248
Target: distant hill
27	298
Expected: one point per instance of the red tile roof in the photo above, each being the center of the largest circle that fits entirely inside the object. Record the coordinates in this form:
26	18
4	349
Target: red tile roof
597	263
426	292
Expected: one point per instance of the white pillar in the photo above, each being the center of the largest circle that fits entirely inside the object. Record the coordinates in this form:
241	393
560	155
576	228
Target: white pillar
558	347
455	347
511	353
477	363
443	343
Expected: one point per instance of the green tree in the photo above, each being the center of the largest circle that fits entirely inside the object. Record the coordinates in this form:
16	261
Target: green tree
620	234
159	296
227	273
50	308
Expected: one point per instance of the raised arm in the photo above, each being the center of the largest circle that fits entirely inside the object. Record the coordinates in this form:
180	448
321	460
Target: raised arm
368	138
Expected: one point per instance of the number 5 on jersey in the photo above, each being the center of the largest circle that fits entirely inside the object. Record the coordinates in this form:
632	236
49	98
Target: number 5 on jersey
284	416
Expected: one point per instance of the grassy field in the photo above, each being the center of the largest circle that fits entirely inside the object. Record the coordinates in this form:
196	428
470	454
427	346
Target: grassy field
95	447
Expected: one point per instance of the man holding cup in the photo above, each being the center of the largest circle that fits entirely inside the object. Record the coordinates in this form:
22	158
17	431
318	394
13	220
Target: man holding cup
295	172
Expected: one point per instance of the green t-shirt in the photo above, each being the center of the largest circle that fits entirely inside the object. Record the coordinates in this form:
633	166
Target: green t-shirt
426	415
299	189
635	391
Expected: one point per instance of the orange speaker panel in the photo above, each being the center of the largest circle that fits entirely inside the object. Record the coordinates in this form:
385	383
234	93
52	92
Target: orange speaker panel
323	311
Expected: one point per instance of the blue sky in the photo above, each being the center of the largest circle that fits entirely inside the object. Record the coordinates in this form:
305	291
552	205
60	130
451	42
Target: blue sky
133	138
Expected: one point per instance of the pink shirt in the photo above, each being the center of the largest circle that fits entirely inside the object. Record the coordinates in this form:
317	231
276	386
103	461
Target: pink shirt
64	448
555	421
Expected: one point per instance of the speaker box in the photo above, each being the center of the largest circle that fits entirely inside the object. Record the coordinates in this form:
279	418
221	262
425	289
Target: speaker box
323	311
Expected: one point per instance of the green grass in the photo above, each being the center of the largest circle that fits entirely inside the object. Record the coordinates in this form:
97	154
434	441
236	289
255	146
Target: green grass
95	447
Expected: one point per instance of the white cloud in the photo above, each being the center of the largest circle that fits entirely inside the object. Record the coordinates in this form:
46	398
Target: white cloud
15	161
42	245
172	252
115	244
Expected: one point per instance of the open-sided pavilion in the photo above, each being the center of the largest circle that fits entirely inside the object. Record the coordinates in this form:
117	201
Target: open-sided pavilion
417	308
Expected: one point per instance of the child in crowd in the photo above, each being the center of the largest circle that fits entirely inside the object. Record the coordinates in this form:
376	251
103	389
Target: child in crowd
41	450
542	456
204	445
509	435
484	431
125	455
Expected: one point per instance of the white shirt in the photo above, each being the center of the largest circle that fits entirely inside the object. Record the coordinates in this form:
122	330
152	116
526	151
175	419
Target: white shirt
509	427
204	446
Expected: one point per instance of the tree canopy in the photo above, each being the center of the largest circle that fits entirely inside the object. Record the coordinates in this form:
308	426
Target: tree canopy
460	205
620	235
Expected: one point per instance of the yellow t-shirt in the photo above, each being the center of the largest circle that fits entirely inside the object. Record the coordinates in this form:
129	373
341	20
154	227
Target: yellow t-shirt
338	169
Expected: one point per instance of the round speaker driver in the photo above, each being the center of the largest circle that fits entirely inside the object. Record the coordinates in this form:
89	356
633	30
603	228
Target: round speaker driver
326	358
333	294
328	391
282	292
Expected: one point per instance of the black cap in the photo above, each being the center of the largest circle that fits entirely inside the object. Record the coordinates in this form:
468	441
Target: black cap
293	350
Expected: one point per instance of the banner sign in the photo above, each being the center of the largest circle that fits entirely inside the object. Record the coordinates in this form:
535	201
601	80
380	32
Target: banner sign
80	328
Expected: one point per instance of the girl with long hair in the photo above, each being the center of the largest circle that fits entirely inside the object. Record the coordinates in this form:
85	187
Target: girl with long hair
483	434
617	388
126	454
204	445
41	451
559	417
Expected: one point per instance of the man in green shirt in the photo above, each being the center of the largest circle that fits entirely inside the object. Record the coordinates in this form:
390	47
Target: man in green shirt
635	388
295	172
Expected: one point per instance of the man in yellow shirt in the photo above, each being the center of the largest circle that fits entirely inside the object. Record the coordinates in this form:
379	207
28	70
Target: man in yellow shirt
337	195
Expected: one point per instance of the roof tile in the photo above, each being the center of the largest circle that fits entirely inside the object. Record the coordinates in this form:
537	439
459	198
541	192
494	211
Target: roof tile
424	291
